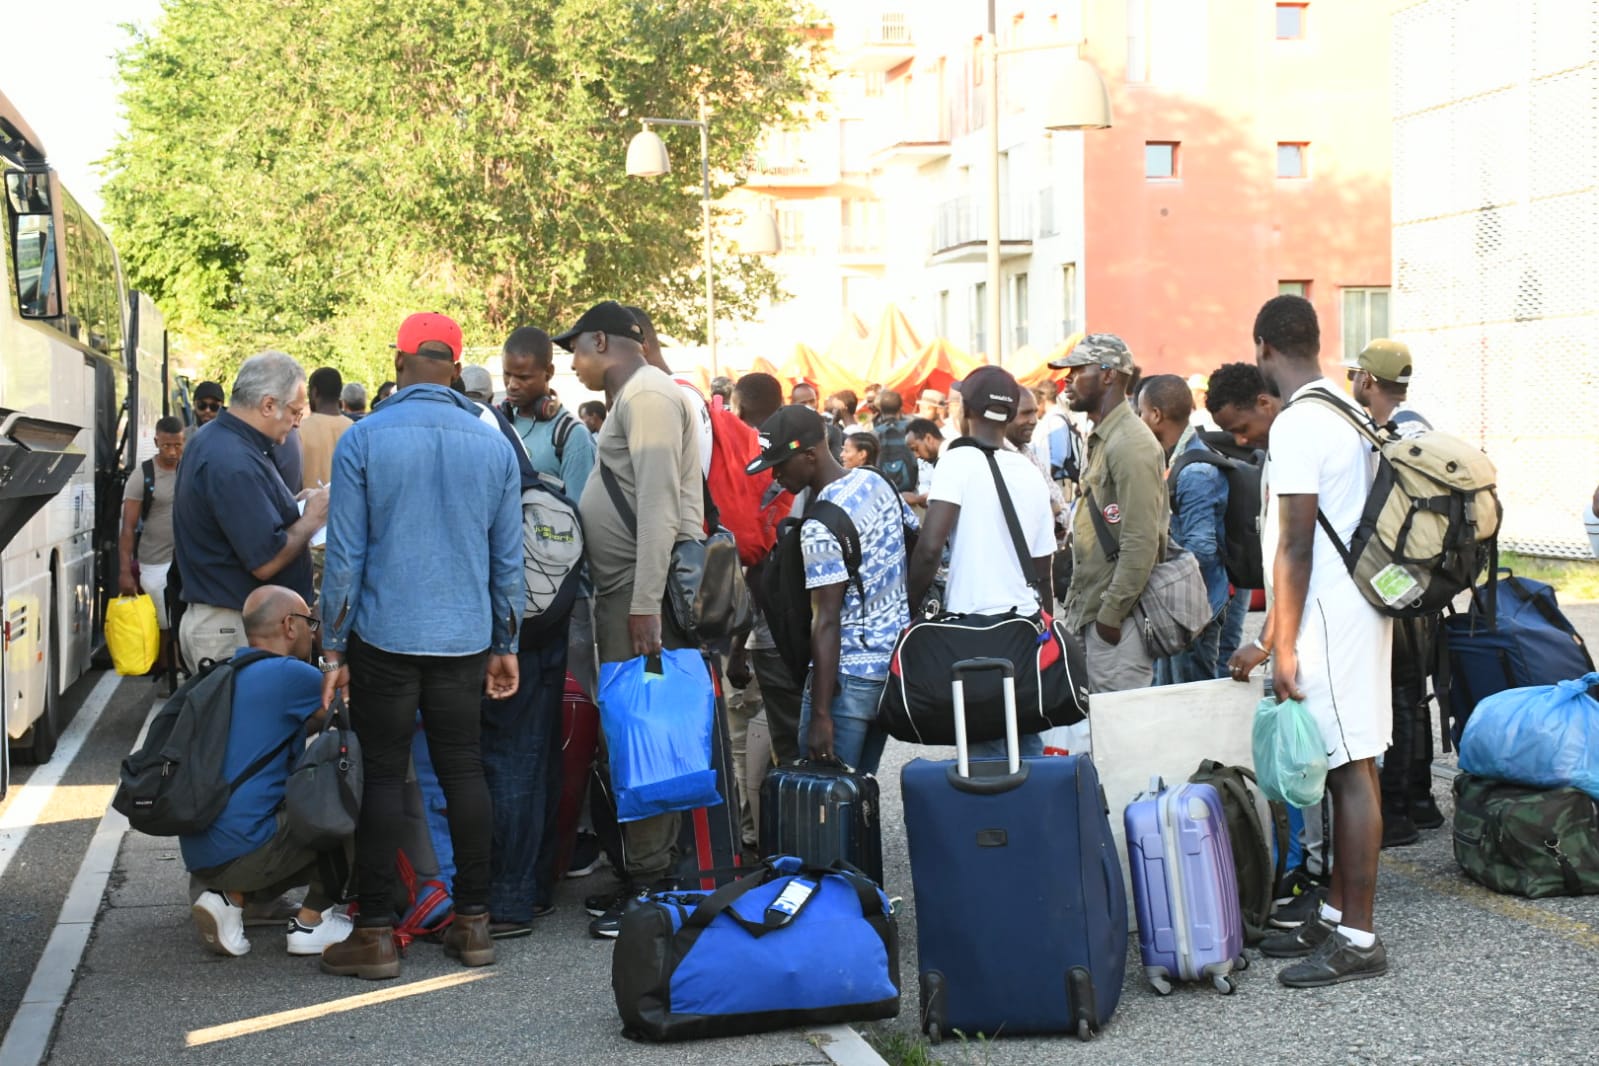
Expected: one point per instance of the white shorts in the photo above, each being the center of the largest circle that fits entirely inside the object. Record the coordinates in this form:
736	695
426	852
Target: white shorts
153	580
1344	651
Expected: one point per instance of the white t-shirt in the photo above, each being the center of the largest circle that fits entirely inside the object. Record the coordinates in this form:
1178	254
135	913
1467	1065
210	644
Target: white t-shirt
702	411
1315	450
985	577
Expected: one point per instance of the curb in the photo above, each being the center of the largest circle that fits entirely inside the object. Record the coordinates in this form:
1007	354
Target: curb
843	1046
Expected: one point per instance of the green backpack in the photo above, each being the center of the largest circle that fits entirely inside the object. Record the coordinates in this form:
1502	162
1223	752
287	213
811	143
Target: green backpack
1531	842
1254	824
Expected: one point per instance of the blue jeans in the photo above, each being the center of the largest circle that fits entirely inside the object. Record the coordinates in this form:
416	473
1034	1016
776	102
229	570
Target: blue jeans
1197	662
1030	743
1232	629
857	738
522	763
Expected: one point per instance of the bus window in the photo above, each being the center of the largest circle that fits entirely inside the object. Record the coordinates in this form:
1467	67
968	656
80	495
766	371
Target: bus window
33	244
94	291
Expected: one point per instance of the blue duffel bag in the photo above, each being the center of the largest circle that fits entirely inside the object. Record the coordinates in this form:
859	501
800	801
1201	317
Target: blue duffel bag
788	945
1546	736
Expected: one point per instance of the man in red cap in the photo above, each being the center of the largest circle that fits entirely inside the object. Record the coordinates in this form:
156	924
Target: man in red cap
421	613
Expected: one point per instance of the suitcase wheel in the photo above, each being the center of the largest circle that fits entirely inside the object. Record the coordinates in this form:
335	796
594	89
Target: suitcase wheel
935	1036
1085	1032
1241	963
1224	984
1161	985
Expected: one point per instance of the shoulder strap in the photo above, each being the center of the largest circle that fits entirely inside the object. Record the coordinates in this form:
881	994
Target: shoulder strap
563	432
618	499
837	521
1188	458
237	663
147	468
1107	543
1014	524
1359	420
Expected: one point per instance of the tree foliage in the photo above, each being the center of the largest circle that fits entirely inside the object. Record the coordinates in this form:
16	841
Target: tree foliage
300	174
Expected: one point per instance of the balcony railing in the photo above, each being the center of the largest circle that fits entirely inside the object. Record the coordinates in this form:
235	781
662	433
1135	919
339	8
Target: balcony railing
963	222
878	43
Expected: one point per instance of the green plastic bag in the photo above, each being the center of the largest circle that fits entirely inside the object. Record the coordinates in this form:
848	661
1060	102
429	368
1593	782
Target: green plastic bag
1290	759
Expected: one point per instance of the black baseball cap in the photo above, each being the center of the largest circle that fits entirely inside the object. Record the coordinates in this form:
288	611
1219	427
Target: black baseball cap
793	429
607	317
208	390
992	392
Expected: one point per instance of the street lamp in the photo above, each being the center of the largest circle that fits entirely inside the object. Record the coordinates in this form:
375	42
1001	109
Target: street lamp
1078	100
647	158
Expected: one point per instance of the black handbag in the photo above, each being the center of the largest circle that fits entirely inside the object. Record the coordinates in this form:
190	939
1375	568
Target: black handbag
1051	676
705	590
322	799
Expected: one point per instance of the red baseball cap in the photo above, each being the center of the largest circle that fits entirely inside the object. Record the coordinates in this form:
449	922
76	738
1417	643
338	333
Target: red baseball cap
426	326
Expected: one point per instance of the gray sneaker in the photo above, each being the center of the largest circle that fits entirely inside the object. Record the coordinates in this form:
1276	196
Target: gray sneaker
1334	962
1299	942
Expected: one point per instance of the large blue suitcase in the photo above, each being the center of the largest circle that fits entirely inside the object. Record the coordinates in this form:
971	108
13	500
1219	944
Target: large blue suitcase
1021	914
1512	636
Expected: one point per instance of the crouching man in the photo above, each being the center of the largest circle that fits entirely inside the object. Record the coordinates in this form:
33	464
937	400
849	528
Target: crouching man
249	849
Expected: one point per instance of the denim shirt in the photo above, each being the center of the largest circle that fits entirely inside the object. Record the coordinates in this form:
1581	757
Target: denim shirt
424	549
1199	521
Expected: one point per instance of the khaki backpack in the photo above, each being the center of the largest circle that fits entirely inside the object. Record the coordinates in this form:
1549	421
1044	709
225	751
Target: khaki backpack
1430	521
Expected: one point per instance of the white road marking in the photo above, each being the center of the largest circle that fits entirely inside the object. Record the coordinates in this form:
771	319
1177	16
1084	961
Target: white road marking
29	799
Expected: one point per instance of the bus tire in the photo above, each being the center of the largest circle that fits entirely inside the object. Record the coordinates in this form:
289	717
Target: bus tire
46	729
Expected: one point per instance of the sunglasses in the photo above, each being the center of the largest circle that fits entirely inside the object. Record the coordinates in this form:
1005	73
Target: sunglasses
208	405
311	621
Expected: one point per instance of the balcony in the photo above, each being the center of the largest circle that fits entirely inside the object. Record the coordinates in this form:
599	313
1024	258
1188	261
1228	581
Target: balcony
960	231
875	43
796	159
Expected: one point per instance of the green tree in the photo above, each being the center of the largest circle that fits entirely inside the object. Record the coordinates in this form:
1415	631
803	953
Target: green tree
301	173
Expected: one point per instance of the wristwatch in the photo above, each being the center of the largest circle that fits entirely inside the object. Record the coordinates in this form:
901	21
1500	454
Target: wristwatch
327	667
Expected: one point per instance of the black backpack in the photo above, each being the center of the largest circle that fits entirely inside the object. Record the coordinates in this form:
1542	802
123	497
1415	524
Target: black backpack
1241	552
173	785
779	580
894	456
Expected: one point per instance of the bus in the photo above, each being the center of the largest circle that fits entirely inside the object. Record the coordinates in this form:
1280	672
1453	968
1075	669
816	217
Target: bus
75	346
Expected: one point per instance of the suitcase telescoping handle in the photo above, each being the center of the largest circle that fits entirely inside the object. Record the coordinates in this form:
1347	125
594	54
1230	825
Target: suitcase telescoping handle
1013	744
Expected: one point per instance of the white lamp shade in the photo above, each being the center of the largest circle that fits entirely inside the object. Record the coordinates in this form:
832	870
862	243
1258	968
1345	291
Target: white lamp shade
757	234
646	156
1078	99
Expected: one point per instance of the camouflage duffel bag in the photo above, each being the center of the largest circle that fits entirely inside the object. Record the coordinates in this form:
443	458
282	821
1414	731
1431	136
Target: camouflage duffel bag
1527	841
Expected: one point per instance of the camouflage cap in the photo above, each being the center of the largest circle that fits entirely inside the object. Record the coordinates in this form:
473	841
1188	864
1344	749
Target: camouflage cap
1105	349
1384	360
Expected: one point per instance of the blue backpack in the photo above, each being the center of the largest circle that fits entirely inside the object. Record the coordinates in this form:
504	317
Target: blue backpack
894	456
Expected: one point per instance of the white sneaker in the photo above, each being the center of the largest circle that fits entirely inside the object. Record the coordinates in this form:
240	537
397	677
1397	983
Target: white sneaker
221	924
311	939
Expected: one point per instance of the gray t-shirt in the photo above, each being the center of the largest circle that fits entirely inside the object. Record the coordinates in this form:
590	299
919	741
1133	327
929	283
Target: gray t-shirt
155	543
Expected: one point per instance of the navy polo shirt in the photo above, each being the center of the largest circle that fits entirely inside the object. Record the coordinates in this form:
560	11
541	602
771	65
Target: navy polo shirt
231	514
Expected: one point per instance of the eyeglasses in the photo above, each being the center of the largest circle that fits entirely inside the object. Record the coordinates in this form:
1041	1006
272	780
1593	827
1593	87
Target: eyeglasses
310	620
208	405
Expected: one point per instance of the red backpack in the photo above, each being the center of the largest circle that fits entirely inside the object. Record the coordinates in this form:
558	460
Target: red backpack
738	496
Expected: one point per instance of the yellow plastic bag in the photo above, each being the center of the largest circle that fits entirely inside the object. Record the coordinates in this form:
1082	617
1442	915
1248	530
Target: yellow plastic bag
132	634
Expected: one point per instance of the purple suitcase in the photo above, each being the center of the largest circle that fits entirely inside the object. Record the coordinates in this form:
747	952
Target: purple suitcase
1184	887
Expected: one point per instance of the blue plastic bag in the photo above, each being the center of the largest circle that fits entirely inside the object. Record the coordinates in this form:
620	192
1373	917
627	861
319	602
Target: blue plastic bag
1545	736
1290	760
657	714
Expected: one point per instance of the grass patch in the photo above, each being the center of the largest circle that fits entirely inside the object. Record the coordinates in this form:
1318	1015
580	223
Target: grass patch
1574	580
900	1048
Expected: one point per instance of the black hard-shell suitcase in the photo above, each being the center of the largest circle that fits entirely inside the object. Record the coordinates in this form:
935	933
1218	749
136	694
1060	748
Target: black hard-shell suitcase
822	813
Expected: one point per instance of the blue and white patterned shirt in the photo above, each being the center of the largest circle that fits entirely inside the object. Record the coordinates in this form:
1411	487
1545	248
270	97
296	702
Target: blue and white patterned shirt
866	634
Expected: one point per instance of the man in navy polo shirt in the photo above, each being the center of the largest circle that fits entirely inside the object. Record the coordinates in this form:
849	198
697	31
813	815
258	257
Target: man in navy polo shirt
236	524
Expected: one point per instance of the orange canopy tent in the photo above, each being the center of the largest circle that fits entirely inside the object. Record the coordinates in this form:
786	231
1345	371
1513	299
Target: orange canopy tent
805	364
937	366
846	349
762	365
893	342
1029	366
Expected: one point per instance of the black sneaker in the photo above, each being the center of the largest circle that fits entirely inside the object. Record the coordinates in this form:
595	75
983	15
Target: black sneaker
1334	962
608	926
602	902
1295	883
1425	814
1297	943
1299	910
1398	830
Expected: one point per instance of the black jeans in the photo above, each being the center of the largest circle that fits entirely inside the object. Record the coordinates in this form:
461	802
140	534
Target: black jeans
385	692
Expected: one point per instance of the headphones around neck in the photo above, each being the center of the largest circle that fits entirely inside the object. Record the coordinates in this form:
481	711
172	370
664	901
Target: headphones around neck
544	408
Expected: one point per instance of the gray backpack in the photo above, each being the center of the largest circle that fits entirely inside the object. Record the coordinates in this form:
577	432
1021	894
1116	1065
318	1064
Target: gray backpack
552	556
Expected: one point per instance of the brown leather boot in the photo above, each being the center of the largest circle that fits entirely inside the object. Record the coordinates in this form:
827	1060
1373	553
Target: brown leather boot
468	939
368	952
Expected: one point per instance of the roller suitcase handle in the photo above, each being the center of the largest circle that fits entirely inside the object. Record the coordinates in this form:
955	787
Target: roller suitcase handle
1013	745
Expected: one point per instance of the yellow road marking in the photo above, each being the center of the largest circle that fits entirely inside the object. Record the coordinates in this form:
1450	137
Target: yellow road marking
265	1022
1516	909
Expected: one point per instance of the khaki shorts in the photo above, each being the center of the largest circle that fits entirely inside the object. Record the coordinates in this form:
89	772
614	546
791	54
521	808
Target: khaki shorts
209	632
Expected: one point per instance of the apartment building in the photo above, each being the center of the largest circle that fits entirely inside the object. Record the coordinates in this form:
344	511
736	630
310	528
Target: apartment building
1249	155
1496	244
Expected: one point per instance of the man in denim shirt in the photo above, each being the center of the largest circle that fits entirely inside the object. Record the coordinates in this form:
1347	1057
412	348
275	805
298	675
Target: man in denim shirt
1198	518
422	596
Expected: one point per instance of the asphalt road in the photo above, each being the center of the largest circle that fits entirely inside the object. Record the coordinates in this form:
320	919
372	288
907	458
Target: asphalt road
1475	977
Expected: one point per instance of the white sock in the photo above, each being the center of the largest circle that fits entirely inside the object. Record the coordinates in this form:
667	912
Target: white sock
1331	915
1358	937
